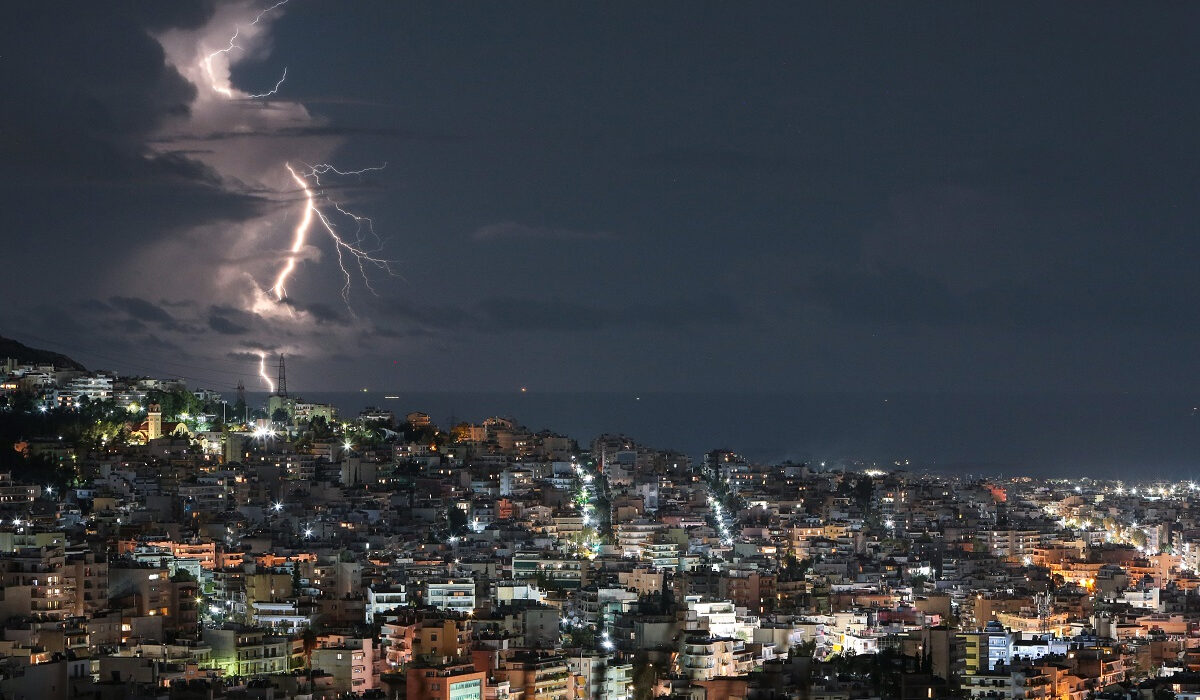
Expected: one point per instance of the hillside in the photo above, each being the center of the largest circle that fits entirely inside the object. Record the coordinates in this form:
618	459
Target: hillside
26	354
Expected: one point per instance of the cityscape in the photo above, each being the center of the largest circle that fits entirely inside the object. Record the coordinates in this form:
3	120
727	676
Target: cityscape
165	540
599	350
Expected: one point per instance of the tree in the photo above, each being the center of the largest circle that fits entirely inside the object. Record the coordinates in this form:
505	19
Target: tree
183	576
175	403
457	518
582	638
320	428
543	582
864	489
645	677
239	411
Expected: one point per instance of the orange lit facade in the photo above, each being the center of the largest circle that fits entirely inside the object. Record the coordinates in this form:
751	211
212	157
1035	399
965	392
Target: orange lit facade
445	682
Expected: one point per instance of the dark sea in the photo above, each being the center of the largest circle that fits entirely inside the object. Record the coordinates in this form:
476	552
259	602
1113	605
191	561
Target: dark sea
1128	436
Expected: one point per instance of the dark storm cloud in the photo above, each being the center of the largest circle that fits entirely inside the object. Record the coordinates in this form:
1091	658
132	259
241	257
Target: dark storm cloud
1063	299
326	313
243	356
144	310
423	318
228	320
126	326
155	342
913	184
512	230
983	257
100	335
513	315
84	87
224	326
157	15
320	312
507	315
504	315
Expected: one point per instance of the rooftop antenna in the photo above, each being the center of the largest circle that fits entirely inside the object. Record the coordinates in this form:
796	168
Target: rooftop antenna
1043	610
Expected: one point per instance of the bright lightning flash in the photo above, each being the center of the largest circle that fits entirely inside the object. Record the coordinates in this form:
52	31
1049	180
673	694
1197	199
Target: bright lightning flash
262	371
345	247
237	30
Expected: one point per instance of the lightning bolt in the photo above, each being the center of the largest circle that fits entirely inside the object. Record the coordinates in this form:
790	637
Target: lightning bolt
343	245
208	69
237	30
262	371
273	90
299	236
316	171
352	252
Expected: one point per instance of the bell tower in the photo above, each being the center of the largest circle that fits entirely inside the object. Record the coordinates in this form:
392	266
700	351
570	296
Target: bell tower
154	422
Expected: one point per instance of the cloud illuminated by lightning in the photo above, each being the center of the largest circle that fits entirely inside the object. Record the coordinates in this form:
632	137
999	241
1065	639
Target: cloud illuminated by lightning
355	241
237	30
344	246
351	252
262	372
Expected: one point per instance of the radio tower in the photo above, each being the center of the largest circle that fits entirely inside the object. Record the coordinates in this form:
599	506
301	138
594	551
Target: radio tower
281	380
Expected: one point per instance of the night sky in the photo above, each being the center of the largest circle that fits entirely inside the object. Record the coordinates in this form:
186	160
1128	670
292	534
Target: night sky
629	196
